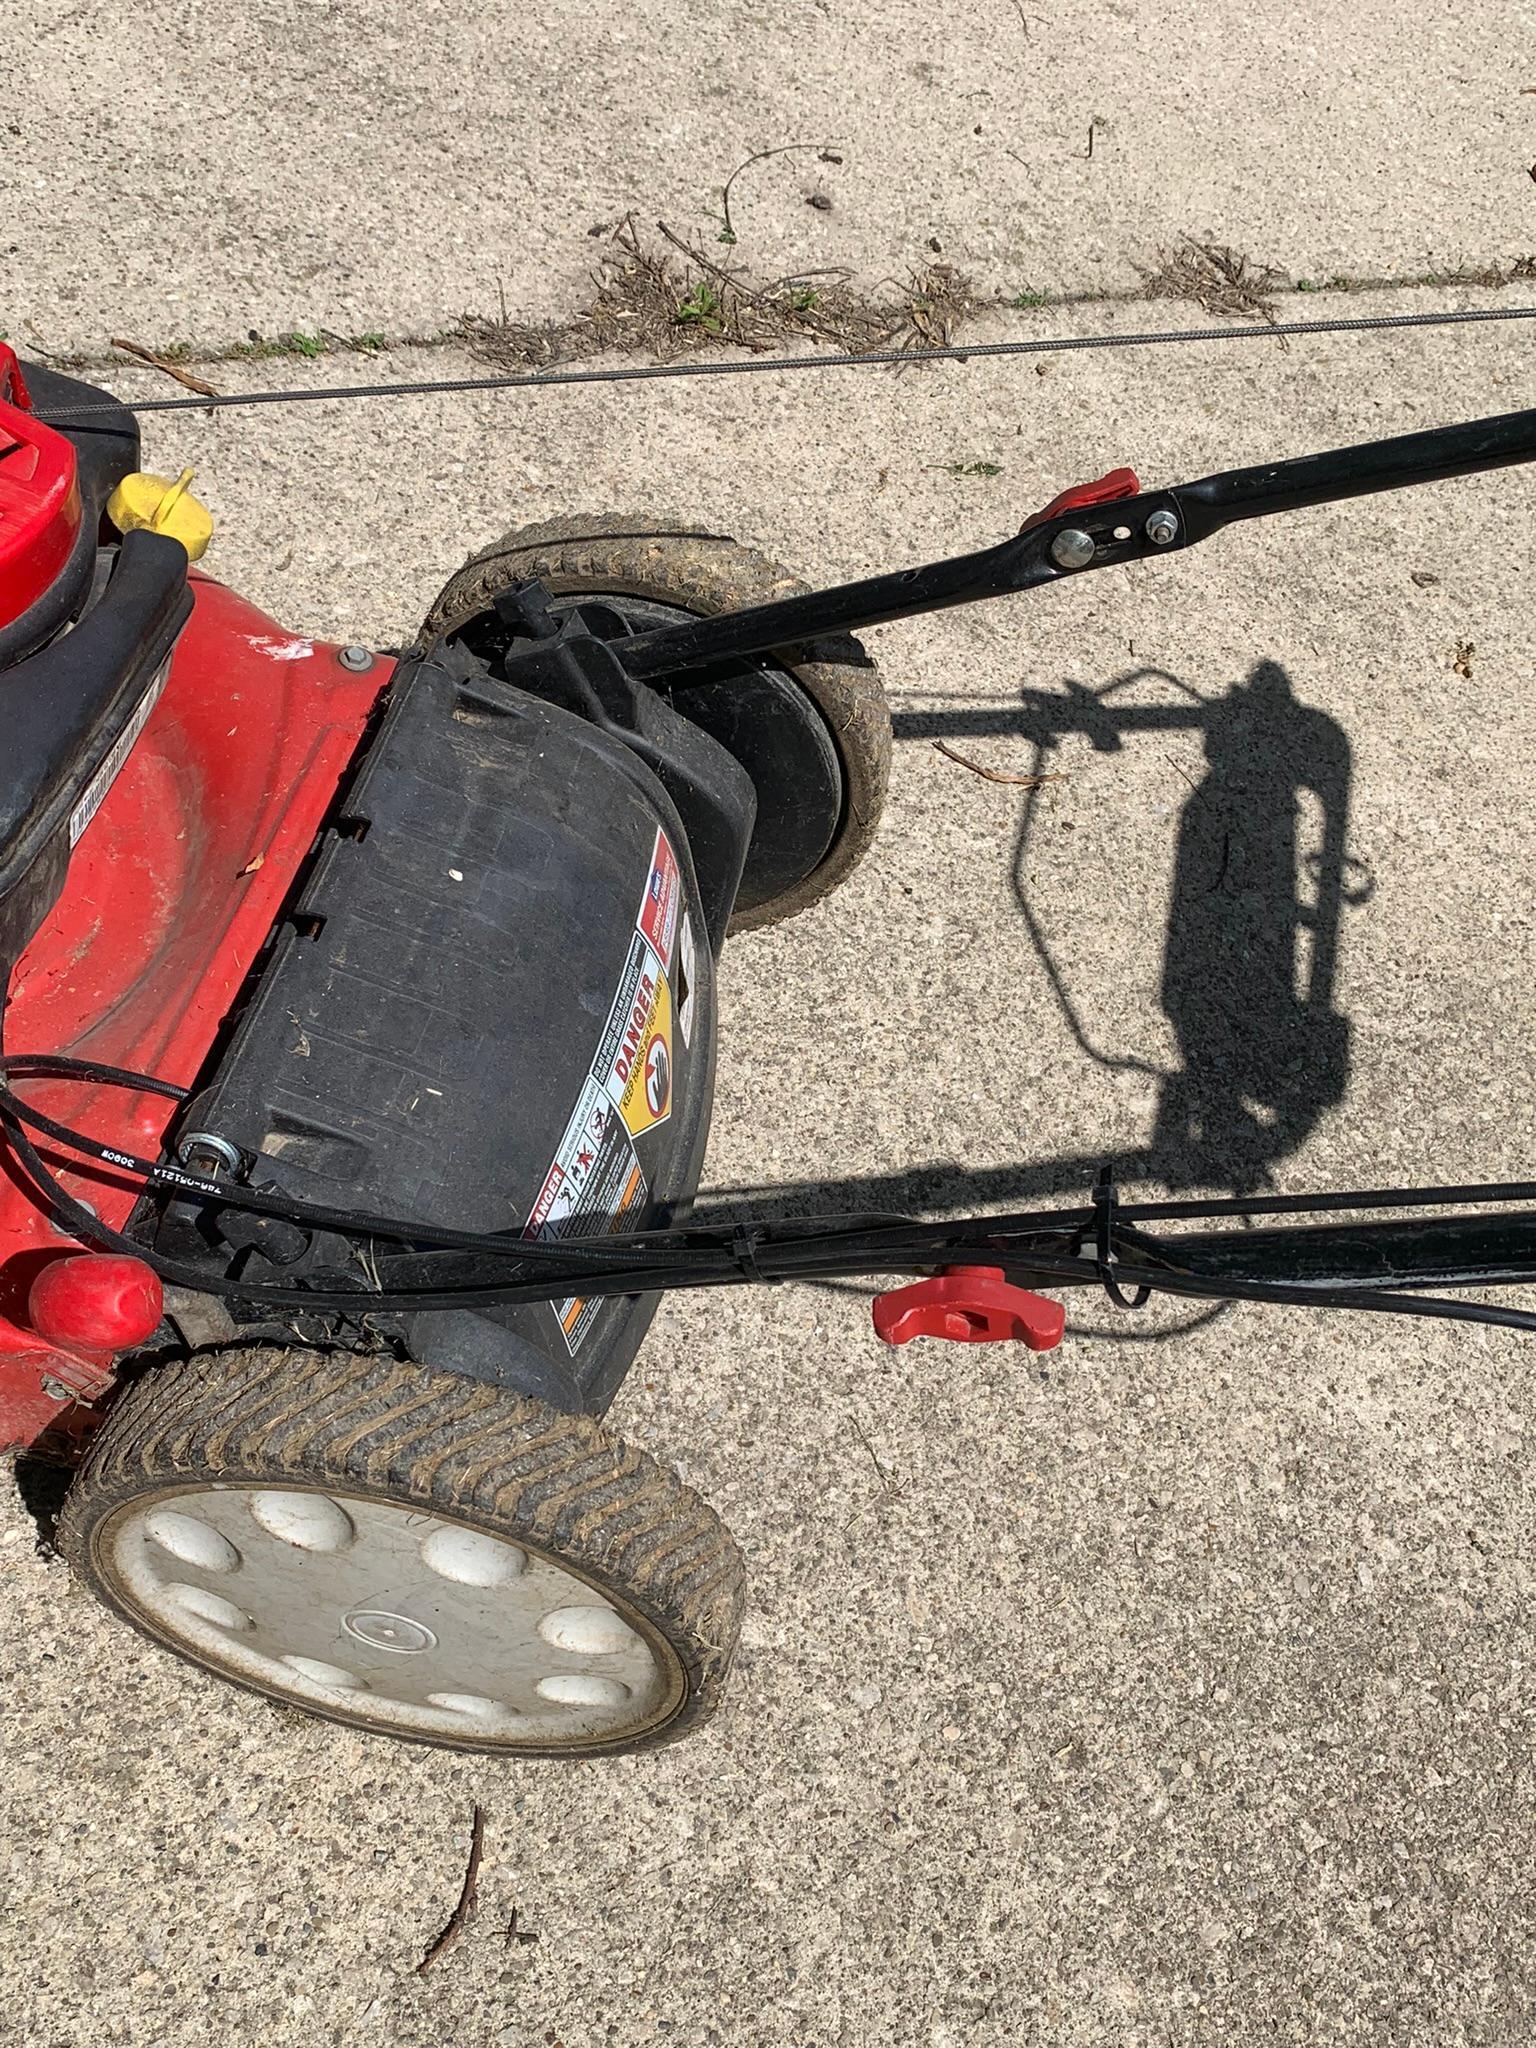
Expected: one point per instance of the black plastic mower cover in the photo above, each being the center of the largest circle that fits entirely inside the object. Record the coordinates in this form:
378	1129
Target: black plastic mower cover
493	1001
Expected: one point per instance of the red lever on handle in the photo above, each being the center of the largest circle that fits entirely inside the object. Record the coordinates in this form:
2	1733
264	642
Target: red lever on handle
1116	483
969	1305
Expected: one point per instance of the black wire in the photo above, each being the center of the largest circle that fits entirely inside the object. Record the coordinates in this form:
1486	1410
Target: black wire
1162	1280
1479	1195
666	1264
251	1201
638	373
1105	1198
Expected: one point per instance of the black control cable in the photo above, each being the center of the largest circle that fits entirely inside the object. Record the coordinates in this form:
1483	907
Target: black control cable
645	1262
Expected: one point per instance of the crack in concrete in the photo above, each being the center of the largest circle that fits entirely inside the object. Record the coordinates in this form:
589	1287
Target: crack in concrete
509	342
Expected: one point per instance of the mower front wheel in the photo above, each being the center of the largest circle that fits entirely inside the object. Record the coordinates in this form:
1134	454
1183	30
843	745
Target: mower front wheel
409	1553
814	825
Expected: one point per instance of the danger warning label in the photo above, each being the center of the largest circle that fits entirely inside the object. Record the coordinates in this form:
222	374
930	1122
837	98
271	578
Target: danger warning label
595	1183
634	1058
591	1173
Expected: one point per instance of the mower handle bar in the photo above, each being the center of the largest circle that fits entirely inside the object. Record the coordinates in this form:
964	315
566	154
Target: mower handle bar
1104	534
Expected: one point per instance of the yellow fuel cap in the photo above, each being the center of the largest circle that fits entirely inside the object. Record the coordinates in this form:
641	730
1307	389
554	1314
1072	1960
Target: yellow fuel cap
164	507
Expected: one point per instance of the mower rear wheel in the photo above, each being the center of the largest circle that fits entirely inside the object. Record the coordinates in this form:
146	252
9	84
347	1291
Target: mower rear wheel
616	558
408	1553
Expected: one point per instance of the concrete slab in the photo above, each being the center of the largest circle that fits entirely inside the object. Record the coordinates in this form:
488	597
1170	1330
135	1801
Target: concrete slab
1168	1690
176	171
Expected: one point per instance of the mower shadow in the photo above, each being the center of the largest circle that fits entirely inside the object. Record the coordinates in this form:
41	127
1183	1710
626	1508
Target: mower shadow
1261	876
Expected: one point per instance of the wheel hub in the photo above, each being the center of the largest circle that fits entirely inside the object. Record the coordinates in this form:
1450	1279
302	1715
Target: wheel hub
389	1617
395	1632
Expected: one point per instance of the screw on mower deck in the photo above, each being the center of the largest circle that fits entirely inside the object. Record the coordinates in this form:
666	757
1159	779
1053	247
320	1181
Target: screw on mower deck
360	1040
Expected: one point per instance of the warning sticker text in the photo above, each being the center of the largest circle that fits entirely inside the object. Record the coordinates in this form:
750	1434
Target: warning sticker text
595	1185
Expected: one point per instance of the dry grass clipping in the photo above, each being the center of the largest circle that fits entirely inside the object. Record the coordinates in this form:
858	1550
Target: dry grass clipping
1215	278
664	296
1494	275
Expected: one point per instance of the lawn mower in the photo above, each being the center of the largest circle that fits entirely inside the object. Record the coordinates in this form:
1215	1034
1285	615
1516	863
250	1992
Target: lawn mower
359	1043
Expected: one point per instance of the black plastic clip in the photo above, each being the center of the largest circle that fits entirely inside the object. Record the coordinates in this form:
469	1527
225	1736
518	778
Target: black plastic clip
525	608
744	1247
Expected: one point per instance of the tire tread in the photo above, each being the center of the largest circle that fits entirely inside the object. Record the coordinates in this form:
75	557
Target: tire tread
627	555
483	1454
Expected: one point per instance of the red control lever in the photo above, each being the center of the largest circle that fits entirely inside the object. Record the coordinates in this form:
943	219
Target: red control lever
1116	483
969	1305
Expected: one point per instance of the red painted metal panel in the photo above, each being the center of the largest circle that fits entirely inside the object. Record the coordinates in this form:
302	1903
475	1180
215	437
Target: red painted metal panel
172	891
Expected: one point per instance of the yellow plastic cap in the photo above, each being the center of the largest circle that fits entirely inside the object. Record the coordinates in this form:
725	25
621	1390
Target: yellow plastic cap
164	507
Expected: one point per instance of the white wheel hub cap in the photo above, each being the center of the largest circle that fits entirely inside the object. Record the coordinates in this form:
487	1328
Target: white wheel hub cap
390	1617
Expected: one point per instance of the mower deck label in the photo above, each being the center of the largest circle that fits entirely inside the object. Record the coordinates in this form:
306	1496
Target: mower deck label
663	895
96	789
634	1057
687	976
595	1183
592	1187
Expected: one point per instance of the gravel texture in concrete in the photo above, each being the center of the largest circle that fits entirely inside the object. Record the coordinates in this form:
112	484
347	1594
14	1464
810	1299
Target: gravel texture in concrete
178	171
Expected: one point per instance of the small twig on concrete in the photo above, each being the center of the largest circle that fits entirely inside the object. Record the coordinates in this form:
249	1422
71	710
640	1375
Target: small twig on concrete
1090	138
1182	773
145	355
755	295
887	1490
874	1455
994	774
729	277
760	156
459	1918
768	297
512	1932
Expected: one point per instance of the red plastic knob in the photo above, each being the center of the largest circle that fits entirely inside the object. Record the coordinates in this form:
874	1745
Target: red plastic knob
970	1305
96	1301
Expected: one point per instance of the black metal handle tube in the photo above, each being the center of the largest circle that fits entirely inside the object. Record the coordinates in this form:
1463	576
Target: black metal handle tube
901	594
1356	472
1203	507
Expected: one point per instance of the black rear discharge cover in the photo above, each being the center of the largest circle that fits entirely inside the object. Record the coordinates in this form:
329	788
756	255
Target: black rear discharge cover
493	1007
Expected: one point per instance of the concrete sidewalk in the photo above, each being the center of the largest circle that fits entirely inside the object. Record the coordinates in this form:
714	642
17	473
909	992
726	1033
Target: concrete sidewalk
179	173
1173	1689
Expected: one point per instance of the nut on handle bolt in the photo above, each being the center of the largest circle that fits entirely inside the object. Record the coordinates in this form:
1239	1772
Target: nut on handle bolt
1162	528
207	1153
358	659
1074	549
